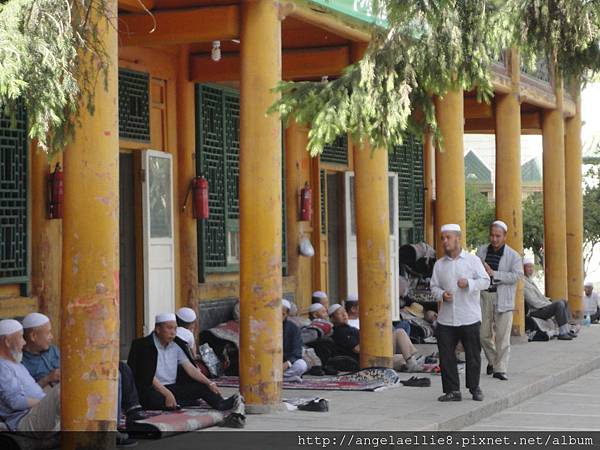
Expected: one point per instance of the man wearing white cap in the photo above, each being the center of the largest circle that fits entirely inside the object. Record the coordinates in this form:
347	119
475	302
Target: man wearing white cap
24	406
505	268
542	307
186	319
165	373
591	302
351	305
293	364
320	297
457	279
40	356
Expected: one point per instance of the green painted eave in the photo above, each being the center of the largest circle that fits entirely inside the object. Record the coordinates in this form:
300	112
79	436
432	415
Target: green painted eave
352	12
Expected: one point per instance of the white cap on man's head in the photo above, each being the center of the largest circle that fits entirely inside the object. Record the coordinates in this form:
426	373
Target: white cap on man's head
315	307
588	284
9	326
500	224
352	298
333	308
164	317
186	335
528	260
186	314
451	227
286	304
34	320
319	294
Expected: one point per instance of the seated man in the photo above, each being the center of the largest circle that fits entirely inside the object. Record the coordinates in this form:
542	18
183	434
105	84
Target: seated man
24	406
320	297
164	370
186	319
347	338
42	360
319	326
351	305
591	302
293	364
541	306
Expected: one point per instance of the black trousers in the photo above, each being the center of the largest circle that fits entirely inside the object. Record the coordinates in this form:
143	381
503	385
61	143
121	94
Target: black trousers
447	339
129	393
185	391
556	309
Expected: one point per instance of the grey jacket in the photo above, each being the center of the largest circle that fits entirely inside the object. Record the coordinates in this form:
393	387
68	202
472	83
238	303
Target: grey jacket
510	271
533	296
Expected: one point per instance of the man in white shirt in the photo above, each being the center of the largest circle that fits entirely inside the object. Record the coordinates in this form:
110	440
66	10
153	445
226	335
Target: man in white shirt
591	302
457	280
351	305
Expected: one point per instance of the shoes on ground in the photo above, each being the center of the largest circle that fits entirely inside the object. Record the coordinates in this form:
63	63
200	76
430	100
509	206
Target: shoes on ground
135	414
124	441
477	394
489	369
417	382
454	396
500	376
565	337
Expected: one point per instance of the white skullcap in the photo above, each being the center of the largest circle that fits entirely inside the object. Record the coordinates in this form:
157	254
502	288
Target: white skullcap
286	304
319	294
499	223
315	307
186	335
588	284
186	314
9	326
164	317
333	308
34	319
528	260
450	227
352	298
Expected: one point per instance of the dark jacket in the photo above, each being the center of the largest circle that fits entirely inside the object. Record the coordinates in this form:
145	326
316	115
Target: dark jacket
142	359
292	342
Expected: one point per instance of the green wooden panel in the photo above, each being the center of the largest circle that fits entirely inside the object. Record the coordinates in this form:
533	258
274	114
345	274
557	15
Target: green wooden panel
337	152
134	105
323	192
14	202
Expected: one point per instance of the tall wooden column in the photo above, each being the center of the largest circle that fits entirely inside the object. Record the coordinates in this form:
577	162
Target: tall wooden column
90	271
373	251
260	208
508	177
186	167
555	227
574	209
428	186
449	163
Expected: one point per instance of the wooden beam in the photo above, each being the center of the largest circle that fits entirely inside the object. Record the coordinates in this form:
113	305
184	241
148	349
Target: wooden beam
297	65
330	22
180	26
136	6
530	124
477	110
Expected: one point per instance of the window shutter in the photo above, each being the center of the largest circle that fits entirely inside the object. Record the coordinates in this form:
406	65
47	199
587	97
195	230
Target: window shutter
337	152
134	105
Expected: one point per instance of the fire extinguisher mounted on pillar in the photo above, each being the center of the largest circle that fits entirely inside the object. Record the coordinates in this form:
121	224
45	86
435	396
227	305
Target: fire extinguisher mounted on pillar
199	190
56	193
306	203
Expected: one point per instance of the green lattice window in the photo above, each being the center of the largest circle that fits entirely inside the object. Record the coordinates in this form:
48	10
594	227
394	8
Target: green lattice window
337	152
14	203
407	161
217	158
134	105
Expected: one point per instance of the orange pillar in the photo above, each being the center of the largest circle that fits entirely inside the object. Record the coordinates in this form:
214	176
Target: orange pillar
428	187
555	226
574	209
90	271
449	163
261	360
508	177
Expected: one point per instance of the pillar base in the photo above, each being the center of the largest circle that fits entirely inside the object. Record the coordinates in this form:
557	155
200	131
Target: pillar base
516	340
264	409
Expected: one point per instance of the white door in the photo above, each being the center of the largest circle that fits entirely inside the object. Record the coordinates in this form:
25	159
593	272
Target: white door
157	209
351	248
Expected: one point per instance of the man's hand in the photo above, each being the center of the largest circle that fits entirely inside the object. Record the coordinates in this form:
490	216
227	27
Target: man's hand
170	401
488	269
286	365
54	376
447	296
213	387
463	283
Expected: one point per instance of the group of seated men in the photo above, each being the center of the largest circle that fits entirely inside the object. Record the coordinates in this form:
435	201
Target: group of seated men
160	373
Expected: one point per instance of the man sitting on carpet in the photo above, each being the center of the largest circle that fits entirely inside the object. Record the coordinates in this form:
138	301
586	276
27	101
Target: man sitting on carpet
24	406
42	360
351	305
293	364
320	297
541	306
347	338
591	302
164	370
319	326
186	319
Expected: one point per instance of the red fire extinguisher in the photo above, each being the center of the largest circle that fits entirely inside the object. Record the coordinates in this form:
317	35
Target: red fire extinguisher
56	193
199	189
306	203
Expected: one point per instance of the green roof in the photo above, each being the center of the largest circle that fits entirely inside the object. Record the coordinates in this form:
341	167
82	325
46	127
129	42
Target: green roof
475	169
531	172
359	10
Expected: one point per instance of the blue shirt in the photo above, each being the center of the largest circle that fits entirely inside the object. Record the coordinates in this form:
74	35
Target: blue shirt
41	364
16	386
292	342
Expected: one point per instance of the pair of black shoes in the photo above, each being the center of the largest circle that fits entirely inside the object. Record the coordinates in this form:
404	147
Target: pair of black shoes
498	375
456	396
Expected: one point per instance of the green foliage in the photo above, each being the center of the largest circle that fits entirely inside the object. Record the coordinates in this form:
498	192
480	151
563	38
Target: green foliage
480	214
42	44
430	48
533	224
591	214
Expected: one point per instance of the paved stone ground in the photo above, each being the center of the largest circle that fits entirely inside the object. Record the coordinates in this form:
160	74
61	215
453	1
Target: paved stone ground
535	368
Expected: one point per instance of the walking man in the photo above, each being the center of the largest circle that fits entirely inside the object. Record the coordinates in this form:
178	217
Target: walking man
505	268
457	279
